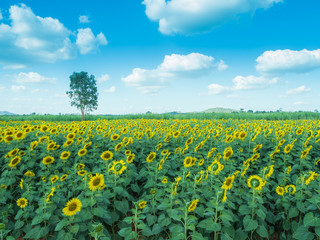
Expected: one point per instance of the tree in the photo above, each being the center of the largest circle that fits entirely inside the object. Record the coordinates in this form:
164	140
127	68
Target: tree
83	92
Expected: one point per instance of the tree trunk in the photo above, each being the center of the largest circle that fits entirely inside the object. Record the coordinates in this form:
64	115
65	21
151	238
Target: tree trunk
82	114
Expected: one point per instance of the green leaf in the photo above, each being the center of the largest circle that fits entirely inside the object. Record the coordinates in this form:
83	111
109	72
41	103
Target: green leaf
74	228
163	220
156	229
249	224
317	231
244	210
147	232
61	224
125	231
301	207
151	219
61	235
262	231
100	212
175	214
260	213
293	212
225	236
38	219
33	233
197	236
301	233
310	221
122	206
18	224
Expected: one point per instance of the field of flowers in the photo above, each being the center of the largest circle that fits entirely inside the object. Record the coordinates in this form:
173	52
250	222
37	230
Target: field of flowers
160	179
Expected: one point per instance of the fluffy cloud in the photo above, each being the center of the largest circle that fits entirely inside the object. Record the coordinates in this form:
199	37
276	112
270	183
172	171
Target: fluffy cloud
242	83
33	77
17	88
111	90
84	19
298	90
288	61
31	38
174	66
87	42
103	78
2	88
194	16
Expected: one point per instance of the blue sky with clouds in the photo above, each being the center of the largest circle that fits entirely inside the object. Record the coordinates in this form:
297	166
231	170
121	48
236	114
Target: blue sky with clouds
161	56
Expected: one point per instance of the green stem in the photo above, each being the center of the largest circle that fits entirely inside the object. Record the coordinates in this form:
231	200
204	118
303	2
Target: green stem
253	193
186	223
216	216
136	221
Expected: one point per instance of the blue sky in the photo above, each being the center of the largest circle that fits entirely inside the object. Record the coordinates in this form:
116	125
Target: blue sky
161	56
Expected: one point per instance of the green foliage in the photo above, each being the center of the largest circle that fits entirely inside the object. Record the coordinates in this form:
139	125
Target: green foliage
83	92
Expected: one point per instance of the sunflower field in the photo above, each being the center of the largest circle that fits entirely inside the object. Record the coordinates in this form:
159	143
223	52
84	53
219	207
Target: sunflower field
160	179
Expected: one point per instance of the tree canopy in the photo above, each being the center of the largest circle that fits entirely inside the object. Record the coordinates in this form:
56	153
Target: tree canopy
83	92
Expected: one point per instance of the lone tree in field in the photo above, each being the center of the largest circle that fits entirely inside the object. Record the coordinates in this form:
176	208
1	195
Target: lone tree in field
83	92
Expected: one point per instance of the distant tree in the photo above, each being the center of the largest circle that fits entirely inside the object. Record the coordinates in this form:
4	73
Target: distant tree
250	111
316	110
83	92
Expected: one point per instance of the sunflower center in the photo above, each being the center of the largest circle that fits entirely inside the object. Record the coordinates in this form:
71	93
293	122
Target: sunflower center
107	155
228	182
72	206
215	167
188	161
14	161
22	202
255	182
228	154
118	166
96	182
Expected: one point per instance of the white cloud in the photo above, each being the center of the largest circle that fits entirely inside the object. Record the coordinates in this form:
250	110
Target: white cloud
195	16
2	88
84	19
87	42
33	77
17	88
241	83
21	99
300	103
103	78
288	61
298	90
31	39
174	66
111	90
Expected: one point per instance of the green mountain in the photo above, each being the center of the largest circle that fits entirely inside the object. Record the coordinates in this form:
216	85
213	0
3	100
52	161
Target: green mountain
7	113
220	110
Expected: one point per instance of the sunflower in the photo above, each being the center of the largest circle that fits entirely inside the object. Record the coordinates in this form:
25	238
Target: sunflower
54	179
214	167
14	161
51	146
164	180
63	177
114	137
67	143
227	153
142	204
187	162
164	152
299	131
178	150
65	155
50	194
151	157
228	181
22	202
257	148
289	170
130	158
288	148
20	135
118	167
127	152
200	163
80	166
176	134
280	190
193	205
189	141
270	172
22	153
82	172
29	174
8	139
242	135
160	164
47	160
106	155
33	145
72	207
21	183
290	189
71	136
44	178
82	152
13	152
96	181
255	182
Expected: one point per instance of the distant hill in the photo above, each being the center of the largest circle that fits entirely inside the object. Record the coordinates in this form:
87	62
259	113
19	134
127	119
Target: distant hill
7	113
219	110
